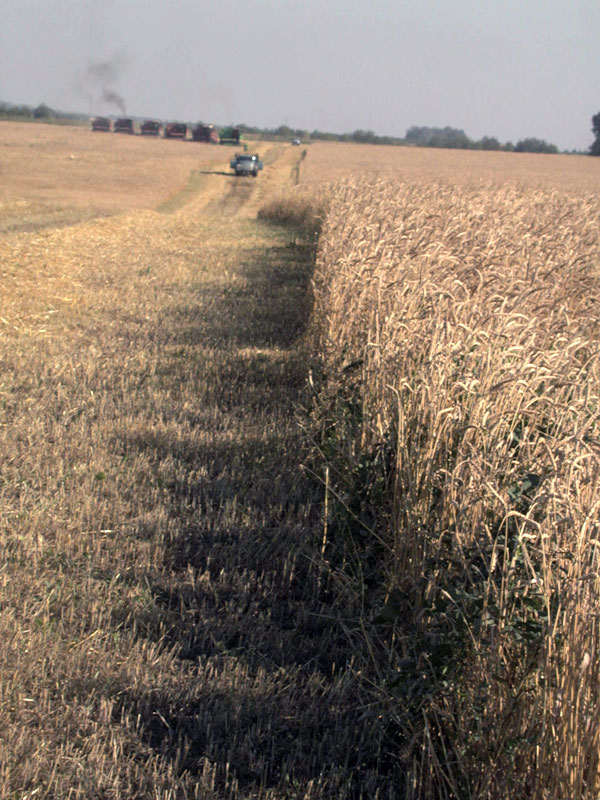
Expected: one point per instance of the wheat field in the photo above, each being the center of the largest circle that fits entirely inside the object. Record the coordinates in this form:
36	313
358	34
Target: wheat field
457	317
299	483
333	160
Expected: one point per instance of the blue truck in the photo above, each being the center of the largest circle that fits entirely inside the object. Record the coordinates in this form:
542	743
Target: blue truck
246	164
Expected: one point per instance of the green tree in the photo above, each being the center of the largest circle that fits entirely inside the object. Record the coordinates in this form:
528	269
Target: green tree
362	136
43	112
23	111
595	148
438	137
489	143
533	145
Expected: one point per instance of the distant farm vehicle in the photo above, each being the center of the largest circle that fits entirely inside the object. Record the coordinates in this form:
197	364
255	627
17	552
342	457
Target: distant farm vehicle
100	124
124	125
246	164
205	133
230	135
150	127
175	130
296	141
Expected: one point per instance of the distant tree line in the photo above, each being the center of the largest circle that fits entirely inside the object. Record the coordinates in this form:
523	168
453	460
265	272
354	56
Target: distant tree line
456	138
422	136
40	112
419	136
8	111
285	132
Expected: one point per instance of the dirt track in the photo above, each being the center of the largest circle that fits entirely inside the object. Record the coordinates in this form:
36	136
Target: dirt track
213	189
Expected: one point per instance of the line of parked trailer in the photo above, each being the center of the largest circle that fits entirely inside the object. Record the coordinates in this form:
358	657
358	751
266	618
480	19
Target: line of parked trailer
170	130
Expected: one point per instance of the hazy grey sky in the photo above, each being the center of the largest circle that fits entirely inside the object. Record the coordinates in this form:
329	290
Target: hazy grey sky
505	68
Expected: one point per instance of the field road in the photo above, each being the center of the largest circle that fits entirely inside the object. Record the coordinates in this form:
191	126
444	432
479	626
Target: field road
165	633
215	190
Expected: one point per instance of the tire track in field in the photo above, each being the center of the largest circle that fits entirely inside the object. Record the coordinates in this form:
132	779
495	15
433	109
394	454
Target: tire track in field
263	697
217	192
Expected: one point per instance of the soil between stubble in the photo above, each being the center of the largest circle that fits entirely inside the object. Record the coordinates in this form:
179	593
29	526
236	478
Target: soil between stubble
195	657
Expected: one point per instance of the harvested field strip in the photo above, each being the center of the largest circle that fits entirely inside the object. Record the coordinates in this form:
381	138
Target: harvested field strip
73	168
164	631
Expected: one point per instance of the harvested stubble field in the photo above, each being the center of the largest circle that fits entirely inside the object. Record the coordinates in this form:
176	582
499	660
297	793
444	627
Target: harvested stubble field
333	161
163	631
53	175
185	611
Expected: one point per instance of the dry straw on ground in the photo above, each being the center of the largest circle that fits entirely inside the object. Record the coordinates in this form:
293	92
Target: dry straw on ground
70	169
163	635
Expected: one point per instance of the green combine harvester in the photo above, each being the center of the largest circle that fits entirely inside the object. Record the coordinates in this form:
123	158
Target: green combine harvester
230	135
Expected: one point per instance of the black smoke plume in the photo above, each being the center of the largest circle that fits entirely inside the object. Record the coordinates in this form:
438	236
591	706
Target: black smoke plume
110	96
107	72
100	78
